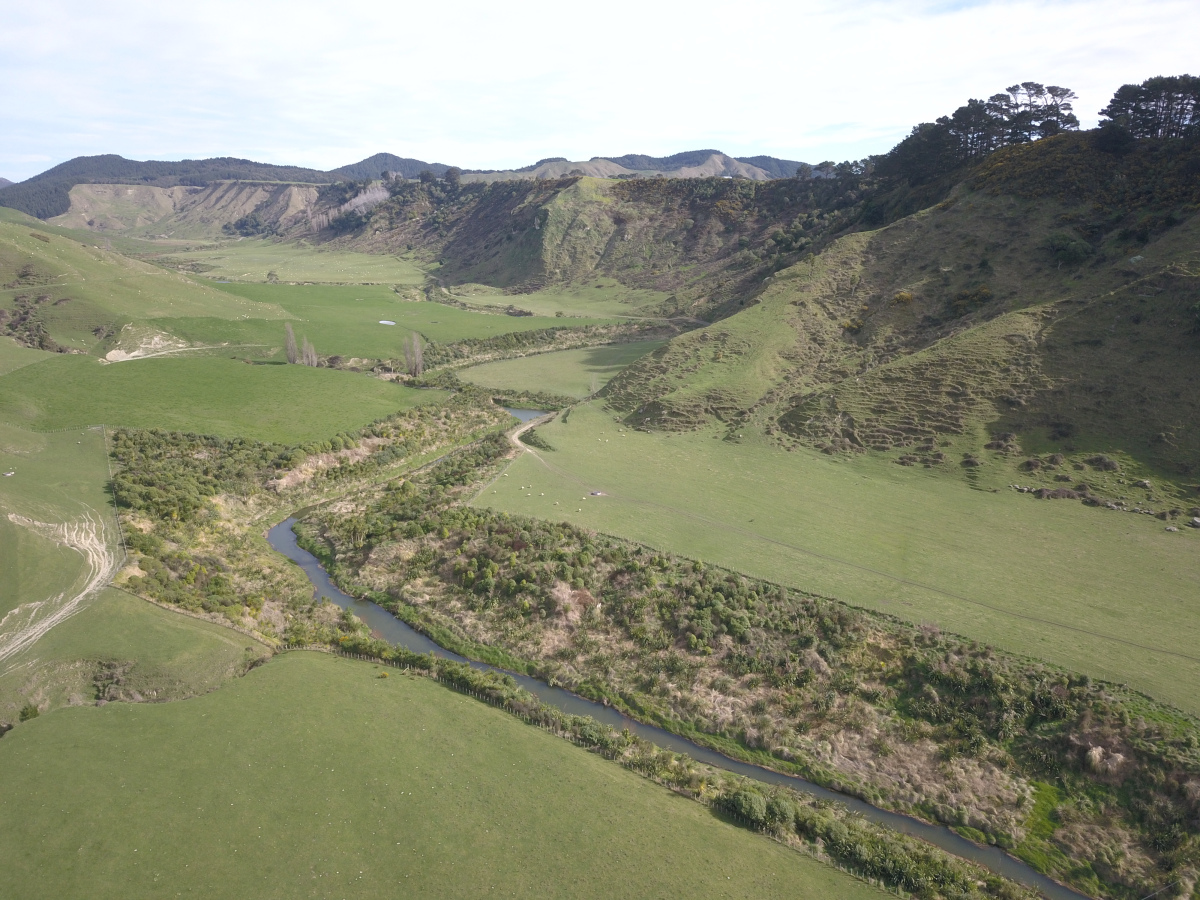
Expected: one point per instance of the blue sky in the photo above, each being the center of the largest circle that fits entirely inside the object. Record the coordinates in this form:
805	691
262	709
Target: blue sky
496	85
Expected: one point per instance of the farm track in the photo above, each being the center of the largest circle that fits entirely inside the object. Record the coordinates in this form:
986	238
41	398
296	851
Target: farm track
29	622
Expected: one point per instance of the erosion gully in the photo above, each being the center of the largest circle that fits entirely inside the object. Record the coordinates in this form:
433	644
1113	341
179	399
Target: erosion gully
283	539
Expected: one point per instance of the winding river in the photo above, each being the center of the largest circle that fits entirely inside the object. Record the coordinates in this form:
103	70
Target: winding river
393	630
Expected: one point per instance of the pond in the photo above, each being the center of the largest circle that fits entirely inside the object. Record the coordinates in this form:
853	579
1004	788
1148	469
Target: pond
525	415
283	539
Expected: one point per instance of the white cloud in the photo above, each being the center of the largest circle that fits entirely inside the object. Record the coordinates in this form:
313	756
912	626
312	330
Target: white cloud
487	84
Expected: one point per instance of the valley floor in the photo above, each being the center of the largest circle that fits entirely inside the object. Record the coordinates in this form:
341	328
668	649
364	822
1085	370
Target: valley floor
1106	593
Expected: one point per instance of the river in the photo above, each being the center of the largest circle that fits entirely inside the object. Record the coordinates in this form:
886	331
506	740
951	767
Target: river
283	539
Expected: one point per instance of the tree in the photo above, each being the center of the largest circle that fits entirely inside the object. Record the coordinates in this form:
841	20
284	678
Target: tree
414	355
1159	107
289	343
1024	112
452	176
309	354
427	177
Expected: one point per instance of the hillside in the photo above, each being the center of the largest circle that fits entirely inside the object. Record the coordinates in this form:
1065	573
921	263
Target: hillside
61	295
243	207
689	164
707	242
372	167
1049	305
48	194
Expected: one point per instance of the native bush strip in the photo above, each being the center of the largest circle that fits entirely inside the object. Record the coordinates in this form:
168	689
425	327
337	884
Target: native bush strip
654	634
900	863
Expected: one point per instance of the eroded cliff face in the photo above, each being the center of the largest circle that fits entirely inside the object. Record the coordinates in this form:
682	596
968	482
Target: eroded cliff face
190	212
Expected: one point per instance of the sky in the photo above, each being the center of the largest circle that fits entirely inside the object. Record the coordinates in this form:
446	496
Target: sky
497	85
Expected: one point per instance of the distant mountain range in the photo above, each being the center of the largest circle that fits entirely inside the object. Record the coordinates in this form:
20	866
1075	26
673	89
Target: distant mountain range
48	194
690	164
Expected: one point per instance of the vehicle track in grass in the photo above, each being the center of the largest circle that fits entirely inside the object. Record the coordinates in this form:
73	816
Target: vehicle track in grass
23	626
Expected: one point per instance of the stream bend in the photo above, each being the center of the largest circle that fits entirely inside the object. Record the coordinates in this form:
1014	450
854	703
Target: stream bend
283	539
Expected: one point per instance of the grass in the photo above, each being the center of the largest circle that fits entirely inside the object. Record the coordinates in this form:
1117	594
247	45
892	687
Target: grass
252	260
1106	593
99	288
207	395
603	297
572	373
57	478
158	655
344	321
312	776
13	355
120	243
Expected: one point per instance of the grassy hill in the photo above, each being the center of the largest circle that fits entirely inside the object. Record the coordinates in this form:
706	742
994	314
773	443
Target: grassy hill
315	776
1011	319
57	293
206	395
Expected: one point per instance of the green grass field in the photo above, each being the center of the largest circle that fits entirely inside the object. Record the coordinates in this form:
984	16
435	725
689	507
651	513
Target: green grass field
159	655
120	243
206	395
313	777
572	373
13	355
252	260
56	478
345	321
92	288
603	297
1106	593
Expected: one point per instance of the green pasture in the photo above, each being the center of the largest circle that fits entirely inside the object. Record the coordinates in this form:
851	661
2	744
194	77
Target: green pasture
345	321
13	355
314	777
601	297
209	395
91	288
252	259
1107	593
120	243
56	478
572	373
160	655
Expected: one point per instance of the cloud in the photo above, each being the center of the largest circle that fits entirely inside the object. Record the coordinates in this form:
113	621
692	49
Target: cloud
489	85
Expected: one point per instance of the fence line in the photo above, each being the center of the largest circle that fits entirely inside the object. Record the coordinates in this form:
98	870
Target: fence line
812	849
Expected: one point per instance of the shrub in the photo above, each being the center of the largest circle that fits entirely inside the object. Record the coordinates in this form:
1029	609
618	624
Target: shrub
748	805
1067	249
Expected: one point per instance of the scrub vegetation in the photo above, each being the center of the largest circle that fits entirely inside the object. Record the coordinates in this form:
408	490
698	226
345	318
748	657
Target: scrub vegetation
859	393
906	717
